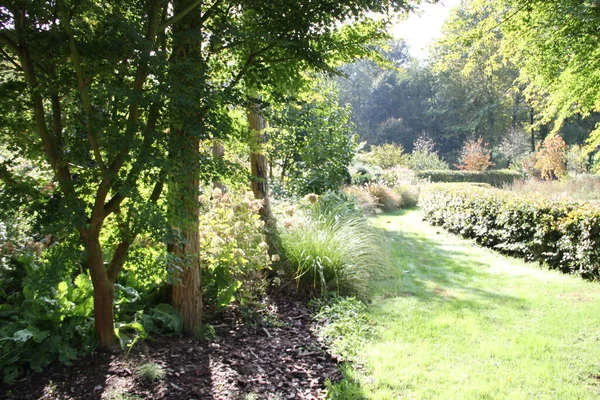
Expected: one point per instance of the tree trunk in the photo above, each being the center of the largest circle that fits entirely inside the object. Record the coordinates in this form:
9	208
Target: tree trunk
531	131
218	153
184	212
259	171
104	292
184	209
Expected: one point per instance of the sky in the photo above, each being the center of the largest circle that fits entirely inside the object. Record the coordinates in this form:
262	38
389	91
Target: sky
423	27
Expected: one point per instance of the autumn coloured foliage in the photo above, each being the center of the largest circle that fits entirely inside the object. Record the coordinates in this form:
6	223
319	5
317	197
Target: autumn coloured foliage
551	159
475	156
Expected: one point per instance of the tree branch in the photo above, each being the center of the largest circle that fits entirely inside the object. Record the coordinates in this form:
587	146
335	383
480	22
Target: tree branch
4	38
10	59
65	21
174	19
55	158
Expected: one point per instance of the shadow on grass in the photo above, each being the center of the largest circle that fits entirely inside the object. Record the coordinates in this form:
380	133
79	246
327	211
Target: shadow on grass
442	273
435	270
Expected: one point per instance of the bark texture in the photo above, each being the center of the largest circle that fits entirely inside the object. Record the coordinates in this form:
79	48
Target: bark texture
260	180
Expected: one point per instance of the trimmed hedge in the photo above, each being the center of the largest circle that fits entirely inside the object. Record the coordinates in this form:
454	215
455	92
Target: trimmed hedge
563	235
496	178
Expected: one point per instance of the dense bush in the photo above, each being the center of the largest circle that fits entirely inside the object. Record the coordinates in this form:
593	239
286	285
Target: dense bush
424	156
387	198
475	156
331	248
563	235
496	178
386	156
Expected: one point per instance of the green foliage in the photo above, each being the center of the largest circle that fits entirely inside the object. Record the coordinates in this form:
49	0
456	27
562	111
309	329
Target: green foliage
563	235
38	329
331	249
343	324
496	178
386	156
312	141
151	372
424	157
233	249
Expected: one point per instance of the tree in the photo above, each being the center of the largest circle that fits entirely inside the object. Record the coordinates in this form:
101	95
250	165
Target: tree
475	156
111	90
311	141
95	120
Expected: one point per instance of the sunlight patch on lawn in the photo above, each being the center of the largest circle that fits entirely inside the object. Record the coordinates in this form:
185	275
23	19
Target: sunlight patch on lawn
459	321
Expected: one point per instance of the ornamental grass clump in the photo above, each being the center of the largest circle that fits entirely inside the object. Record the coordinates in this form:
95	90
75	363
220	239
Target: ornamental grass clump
333	251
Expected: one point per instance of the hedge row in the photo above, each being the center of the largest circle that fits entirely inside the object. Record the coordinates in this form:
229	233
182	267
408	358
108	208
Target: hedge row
563	235
496	178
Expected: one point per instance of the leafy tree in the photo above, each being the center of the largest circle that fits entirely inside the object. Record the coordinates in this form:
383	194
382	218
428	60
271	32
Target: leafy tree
311	141
113	100
79	99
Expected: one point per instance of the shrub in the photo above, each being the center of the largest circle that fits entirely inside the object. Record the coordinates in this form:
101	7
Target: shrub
424	157
386	156
233	248
551	158
563	235
475	156
395	176
333	251
387	199
365	200
409	195
577	160
496	178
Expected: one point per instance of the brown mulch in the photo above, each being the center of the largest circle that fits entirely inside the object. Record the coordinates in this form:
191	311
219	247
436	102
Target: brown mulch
282	360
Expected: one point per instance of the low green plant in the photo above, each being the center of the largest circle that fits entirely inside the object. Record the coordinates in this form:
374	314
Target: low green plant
343	324
150	372
333	250
38	329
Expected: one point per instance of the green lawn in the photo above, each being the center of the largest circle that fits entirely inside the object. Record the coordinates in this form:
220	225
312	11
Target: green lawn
456	321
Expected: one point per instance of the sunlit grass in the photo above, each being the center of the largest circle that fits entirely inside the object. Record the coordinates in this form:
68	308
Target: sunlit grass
456	321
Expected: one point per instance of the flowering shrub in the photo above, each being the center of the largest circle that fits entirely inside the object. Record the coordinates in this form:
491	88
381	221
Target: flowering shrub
233	248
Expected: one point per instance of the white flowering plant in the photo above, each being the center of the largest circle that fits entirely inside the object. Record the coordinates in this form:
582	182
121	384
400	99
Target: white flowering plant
234	252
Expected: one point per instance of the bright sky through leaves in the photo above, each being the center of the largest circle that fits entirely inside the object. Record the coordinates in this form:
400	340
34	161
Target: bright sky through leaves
423	27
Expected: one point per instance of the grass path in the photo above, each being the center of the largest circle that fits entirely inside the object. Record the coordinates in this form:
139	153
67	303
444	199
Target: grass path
456	321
